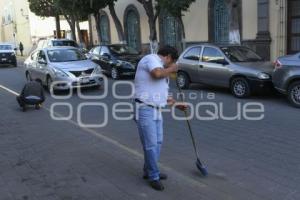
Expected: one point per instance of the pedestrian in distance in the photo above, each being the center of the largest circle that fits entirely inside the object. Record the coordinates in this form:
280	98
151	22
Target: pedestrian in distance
21	48
151	95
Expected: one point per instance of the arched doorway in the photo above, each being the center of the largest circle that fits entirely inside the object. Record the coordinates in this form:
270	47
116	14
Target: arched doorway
170	32
220	21
104	28
132	27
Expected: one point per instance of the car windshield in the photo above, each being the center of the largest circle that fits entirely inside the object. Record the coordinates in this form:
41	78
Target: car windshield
68	43
122	50
6	47
65	55
241	54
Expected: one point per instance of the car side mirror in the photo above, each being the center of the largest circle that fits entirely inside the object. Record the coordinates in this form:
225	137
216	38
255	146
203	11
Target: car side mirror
42	61
106	56
222	62
15	49
88	55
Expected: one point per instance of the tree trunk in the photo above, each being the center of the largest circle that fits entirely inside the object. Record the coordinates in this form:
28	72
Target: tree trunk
97	21
58	30
148	6
71	22
153	36
80	39
117	22
234	26
91	39
183	36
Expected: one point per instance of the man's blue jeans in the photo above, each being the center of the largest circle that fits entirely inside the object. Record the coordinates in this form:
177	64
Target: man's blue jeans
150	126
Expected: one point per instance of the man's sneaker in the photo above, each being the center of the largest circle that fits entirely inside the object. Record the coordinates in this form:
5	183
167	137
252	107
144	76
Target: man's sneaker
161	176
157	185
38	106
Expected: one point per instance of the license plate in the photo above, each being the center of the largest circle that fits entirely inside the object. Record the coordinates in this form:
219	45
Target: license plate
4	59
84	80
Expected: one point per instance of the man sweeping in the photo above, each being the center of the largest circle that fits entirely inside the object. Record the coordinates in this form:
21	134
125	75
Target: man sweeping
151	94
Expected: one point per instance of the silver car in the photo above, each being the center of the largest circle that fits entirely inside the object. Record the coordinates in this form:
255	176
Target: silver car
234	67
65	67
286	77
8	55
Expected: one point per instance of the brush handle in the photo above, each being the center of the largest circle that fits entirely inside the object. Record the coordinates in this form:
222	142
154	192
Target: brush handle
188	122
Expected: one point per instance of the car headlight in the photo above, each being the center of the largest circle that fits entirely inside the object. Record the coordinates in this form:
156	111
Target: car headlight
129	65
60	73
97	70
263	76
125	64
119	63
13	54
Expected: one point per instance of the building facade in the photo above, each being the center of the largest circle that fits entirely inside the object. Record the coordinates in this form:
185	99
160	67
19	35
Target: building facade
270	27
19	24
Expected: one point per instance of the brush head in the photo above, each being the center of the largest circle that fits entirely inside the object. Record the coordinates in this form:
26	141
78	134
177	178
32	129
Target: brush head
201	168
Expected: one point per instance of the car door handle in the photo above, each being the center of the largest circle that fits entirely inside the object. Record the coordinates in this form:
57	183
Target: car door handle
200	66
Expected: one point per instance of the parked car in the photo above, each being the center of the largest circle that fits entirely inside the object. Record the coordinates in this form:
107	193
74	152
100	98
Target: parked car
116	60
7	55
235	67
57	42
60	43
286	77
65	64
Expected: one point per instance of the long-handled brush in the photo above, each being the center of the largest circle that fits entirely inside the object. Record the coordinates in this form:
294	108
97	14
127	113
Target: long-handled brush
199	164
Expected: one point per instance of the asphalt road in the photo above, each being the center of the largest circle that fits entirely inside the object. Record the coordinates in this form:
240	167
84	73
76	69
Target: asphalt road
42	158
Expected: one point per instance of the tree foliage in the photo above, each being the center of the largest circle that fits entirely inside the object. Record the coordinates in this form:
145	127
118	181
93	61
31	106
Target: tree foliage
175	7
43	8
46	8
96	6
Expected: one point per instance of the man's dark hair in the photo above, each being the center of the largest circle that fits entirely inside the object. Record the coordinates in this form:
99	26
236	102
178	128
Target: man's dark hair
168	51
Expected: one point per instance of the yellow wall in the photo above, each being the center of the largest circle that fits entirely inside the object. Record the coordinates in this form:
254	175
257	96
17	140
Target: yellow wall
195	20
278	28
197	23
20	25
30	27
249	19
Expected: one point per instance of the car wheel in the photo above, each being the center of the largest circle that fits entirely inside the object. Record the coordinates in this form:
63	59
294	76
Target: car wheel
183	81
28	77
240	87
294	94
115	73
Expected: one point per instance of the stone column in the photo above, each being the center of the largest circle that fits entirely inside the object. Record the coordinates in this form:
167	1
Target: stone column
263	37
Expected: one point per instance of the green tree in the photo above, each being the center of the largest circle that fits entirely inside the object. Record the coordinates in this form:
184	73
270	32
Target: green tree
96	6
117	22
46	8
152	12
176	8
74	12
67	7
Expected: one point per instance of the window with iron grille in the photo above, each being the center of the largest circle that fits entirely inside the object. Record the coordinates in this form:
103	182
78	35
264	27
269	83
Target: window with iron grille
221	22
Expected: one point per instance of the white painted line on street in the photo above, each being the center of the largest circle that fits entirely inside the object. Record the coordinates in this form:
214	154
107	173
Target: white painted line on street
119	145
9	90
